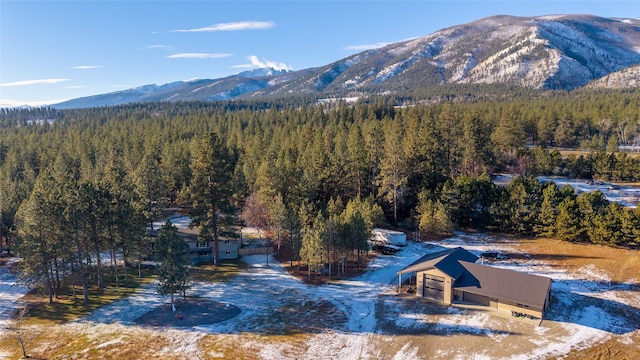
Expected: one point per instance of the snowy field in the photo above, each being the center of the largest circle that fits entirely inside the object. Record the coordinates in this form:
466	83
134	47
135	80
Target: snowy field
625	195
363	318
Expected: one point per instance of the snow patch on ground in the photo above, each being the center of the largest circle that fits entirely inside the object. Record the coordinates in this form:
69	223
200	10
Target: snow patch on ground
179	221
409	320
10	291
129	308
406	353
473	324
116	341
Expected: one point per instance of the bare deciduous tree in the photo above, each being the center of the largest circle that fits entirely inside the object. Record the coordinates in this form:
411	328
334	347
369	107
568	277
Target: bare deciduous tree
19	330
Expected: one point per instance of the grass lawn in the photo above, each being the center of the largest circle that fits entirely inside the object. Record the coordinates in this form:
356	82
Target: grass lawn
211	273
69	308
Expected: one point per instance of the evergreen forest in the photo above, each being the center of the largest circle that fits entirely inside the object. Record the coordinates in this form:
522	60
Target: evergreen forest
78	183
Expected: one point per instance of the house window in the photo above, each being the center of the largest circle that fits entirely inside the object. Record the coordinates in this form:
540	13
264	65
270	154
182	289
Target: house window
202	244
228	252
227	242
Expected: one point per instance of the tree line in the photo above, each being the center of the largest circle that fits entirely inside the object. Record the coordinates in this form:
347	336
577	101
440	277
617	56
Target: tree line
527	206
90	181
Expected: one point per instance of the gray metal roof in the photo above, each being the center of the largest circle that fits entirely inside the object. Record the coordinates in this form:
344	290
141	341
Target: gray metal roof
515	286
445	261
458	263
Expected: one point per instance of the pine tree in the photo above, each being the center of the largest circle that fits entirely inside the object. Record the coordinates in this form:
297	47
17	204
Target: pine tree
523	204
150	187
277	220
356	231
67	173
173	257
92	215
294	234
450	134
590	204
39	233
212	188
473	147
568	220
357	163
546	224
313	244
509	134
432	216
393	177
607	227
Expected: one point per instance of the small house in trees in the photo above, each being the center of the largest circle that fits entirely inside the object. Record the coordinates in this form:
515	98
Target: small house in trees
451	276
202	251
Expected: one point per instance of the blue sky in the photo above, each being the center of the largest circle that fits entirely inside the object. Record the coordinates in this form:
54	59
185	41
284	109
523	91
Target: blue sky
52	51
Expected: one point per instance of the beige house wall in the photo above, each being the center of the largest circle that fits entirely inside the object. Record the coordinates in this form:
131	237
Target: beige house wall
503	305
448	282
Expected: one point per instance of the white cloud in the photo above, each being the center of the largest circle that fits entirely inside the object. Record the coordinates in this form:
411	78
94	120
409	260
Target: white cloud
33	82
232	26
6	103
161	47
85	67
365	46
264	63
75	87
198	56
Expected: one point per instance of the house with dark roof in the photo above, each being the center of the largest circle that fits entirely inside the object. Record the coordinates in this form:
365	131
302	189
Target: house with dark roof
452	276
201	251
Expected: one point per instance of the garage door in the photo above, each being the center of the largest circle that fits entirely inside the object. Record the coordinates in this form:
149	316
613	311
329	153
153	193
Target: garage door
476	299
433	287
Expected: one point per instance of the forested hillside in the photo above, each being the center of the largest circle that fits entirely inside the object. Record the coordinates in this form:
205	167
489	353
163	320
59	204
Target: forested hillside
84	181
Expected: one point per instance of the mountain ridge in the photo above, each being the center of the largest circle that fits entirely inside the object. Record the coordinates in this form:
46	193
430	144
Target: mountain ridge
551	52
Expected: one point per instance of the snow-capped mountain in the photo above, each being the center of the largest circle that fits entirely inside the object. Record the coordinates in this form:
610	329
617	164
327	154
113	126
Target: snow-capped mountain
200	89
625	78
262	72
546	52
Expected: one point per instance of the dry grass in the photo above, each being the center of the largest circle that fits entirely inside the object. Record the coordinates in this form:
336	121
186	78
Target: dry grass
211	273
627	349
119	342
114	343
620	265
67	307
248	346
